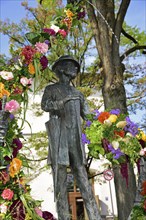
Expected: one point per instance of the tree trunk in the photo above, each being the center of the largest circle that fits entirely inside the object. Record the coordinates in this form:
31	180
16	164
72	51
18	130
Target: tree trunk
125	194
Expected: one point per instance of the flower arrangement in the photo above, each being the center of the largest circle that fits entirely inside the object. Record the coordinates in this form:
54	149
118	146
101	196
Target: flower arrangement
114	136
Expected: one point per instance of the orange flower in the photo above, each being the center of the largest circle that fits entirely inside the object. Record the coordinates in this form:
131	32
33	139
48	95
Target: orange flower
69	13
15	167
103	116
3	91
143	192
31	68
119	133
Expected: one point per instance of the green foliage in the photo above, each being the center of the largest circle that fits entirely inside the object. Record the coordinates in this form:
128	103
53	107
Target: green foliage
135	32
138	211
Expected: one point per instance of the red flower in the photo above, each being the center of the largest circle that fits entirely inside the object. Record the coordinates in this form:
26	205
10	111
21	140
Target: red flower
28	52
103	116
119	133
7	194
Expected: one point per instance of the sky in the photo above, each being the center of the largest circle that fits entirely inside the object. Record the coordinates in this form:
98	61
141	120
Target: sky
12	9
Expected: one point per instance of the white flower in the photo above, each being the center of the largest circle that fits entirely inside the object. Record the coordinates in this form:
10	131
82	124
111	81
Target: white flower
142	152
6	75
107	122
115	144
3	208
55	28
129	134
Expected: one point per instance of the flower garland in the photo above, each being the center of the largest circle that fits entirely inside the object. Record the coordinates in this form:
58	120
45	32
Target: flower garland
16	79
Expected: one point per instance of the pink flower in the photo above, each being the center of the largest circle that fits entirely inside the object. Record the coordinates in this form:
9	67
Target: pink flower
12	106
38	211
25	81
41	47
142	152
6	75
62	32
7	194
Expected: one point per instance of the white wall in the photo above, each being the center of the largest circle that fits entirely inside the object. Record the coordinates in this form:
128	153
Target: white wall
42	186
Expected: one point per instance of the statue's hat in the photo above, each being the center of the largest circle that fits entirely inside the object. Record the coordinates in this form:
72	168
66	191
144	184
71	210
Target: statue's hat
65	57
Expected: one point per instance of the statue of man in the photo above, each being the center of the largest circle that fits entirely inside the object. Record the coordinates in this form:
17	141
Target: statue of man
67	106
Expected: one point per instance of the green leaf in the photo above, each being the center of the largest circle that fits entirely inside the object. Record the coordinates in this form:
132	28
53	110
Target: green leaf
32	37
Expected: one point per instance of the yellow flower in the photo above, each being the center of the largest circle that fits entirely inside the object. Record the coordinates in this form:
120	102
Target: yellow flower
69	13
141	136
113	118
31	68
15	167
121	124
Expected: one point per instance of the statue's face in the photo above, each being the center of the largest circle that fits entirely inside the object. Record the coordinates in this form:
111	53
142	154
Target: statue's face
69	68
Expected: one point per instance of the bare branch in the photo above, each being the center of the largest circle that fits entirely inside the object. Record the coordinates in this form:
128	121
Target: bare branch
129	36
131	50
120	17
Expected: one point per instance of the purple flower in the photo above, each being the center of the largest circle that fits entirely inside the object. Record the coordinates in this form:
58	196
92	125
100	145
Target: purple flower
15	59
97	113
47	42
117	153
11	116
44	62
48	216
88	123
49	31
81	14
115	111
84	139
16	145
131	127
105	144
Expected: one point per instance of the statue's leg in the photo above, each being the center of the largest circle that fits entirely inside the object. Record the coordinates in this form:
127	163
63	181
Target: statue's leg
61	194
86	192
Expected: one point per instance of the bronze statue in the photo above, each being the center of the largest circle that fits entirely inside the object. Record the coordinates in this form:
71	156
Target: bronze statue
66	106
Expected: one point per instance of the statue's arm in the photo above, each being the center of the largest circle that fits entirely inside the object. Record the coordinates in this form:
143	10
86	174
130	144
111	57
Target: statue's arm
84	107
49	103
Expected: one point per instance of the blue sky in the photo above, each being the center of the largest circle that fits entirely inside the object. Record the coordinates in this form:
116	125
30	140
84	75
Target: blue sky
12	9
